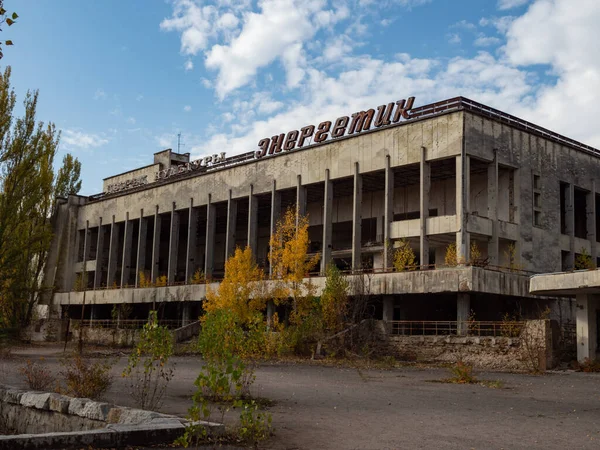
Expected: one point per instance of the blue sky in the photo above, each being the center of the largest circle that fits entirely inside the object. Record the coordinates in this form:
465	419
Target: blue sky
122	78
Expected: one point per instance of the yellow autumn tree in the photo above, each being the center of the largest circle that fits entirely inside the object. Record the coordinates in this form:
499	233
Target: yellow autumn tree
239	291
291	264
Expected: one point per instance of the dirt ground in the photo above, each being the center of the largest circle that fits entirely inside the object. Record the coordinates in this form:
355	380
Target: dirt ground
320	407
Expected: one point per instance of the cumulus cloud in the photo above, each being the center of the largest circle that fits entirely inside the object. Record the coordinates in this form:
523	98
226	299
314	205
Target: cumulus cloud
189	65
187	108
509	4
82	140
331	77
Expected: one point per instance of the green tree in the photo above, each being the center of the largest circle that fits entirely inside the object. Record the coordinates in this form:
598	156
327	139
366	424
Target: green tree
334	300
8	19
27	187
68	180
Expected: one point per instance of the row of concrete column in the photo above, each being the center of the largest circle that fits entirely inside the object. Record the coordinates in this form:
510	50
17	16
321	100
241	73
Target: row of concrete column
462	239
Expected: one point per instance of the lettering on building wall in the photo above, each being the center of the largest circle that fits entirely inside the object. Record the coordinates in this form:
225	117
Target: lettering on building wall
198	164
124	185
357	123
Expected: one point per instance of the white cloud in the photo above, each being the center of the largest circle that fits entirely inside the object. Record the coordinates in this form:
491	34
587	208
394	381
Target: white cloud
486	41
509	4
502	24
79	139
206	83
187	108
189	65
131	120
99	94
454	38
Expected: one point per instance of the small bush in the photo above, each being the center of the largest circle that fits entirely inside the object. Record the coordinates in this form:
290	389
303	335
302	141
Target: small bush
462	373
37	376
255	426
589	365
404	257
84	378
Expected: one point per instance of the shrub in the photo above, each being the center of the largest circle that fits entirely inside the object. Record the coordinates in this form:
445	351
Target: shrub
589	365
144	281
583	260
255	426
198	277
161	281
462	373
404	257
148	365
84	378
451	259
37	376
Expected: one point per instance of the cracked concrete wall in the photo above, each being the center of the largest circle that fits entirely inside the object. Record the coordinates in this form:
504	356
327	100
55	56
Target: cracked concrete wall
524	154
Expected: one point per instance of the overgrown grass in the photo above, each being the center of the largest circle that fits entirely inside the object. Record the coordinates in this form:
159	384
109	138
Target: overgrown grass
37	376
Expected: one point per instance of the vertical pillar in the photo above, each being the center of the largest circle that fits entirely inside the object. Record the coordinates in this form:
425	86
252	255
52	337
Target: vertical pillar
99	255
424	190
86	241
591	223
185	313
357	220
300	199
112	253
463	309
192	233
388	214
327	222
570	224
173	245
231	224
141	247
388	312
492	210
126	261
462	207
156	245
209	252
275	213
586	326
253	222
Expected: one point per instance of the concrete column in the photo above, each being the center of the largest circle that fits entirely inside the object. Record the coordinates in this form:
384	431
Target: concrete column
141	247
388	308
357	220
99	255
185	313
388	312
209	252
462	207
587	327
327	222
492	211
253	222
463	310
173	246
570	224
112	253
156	245
388	215
231	224
126	261
424	190
275	214
300	199
192	242
87	242
591	223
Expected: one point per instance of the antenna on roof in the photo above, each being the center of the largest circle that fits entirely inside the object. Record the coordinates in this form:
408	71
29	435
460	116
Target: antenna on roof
179	144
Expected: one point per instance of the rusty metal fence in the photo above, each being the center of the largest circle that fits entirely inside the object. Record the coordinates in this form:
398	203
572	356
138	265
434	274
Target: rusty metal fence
454	328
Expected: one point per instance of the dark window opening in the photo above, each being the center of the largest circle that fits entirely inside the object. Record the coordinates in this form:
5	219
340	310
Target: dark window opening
580	214
564	192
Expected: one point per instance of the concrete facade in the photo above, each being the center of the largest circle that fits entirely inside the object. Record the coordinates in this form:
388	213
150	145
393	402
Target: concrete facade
585	287
458	174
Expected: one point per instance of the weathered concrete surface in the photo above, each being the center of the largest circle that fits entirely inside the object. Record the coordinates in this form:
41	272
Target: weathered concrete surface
566	284
44	420
456	279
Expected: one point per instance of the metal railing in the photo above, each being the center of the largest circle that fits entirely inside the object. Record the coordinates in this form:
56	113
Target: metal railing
122	324
454	328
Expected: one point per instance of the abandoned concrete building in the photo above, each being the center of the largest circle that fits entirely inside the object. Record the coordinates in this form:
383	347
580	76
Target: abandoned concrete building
516	199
